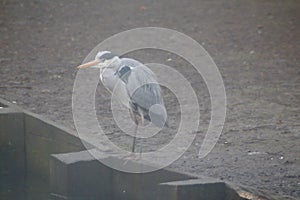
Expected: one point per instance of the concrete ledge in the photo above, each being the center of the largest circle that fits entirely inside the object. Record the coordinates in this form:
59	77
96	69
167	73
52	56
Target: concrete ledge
43	139
12	141
145	185
12	156
198	189
81	176
27	140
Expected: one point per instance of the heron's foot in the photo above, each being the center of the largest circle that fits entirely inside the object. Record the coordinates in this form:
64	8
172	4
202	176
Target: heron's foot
132	157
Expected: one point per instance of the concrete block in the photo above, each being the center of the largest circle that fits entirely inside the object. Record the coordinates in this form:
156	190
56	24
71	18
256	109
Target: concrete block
11	186
12	141
130	186
43	138
40	126
12	157
197	189
79	176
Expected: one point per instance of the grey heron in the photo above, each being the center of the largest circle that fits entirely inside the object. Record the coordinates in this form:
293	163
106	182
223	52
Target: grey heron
138	88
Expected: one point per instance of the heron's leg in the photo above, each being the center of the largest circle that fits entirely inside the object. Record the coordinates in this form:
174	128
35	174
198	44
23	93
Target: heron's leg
134	118
142	119
134	138
142	122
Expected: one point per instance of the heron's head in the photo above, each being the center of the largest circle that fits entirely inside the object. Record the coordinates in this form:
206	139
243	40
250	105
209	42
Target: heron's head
103	59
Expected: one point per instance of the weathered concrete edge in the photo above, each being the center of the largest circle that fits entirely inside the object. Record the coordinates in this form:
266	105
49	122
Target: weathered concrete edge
14	108
163	188
12	140
11	107
41	137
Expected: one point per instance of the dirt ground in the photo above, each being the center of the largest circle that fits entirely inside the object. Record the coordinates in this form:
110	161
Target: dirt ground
255	44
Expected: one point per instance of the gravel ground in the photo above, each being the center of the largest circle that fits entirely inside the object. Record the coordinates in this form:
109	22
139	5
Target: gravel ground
255	44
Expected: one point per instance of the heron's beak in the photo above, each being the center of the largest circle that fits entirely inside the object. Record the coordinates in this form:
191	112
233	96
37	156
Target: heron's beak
89	64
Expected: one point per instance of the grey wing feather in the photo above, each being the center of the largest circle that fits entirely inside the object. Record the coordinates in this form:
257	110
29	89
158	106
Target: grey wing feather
144	92
143	87
147	96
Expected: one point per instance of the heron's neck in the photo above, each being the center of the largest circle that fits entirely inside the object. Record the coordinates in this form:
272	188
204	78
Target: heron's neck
116	63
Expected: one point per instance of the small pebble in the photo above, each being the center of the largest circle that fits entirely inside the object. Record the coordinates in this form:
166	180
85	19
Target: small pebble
255	153
1	107
45	91
281	157
14	102
252	52
56	76
169	59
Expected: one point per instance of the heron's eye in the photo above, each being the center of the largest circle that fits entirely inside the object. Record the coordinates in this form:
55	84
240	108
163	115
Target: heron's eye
100	60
